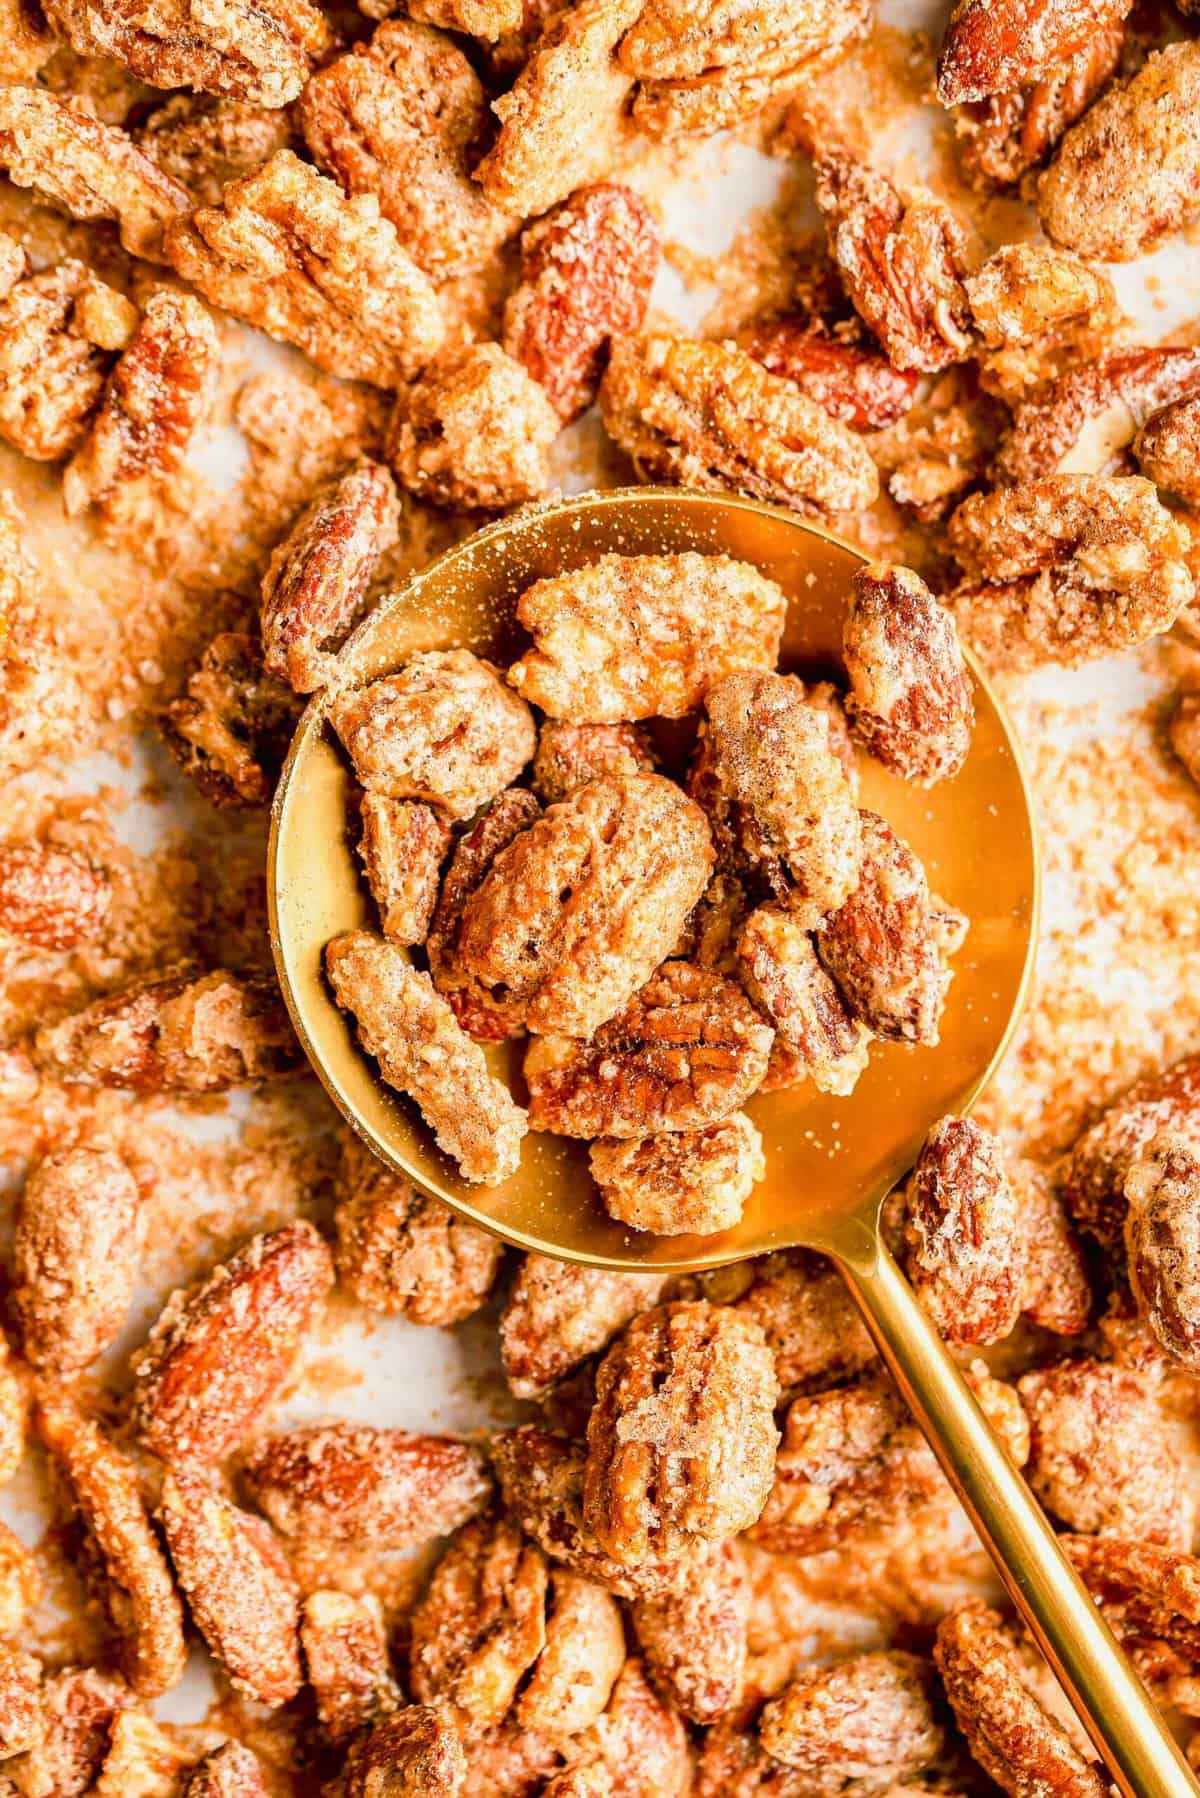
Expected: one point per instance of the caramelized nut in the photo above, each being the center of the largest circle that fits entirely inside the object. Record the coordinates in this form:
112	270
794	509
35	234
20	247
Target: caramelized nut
558	1314
1056	1293
205	143
79	1711
910	702
992	48
694	1640
1083	421
852	382
865	1723
230	1771
403	844
75	1257
1162	1188
578	1667
963	1234
1168	448
484	1013
346	1661
1002	138
473	431
20	1695
812	1325
816	1036
231	729
569	755
680	1182
416	1753
639	1741
1093	1186
60	331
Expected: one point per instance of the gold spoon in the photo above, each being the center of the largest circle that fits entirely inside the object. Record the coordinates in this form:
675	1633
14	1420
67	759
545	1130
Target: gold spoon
830	1161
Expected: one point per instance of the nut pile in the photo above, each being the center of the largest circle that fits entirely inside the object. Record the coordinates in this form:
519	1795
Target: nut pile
451	214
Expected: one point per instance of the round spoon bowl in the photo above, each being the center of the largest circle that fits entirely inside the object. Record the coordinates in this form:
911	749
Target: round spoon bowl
829	1161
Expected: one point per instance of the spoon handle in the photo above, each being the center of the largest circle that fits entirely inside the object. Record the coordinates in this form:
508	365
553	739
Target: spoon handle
1112	1704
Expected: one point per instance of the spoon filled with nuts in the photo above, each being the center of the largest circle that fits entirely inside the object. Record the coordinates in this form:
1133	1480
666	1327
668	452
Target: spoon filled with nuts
654	882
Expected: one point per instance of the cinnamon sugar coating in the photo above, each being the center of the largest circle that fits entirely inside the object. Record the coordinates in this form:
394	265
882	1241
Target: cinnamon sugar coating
287	251
80	1707
416	1753
694	1641
910	701
75	1257
858	1725
1025	290
817	1037
994	48
629	637
1085	418
1167	448
853	382
1093	1182
1002	138
680	1182
569	755
204	142
1056	1292
1162	1244
402	847
231	728
346	1663
639	1741
483	1012
556	1315
20	1709
577	1668
811	1323
230	1771
963	1233
51	898
474	430
60	332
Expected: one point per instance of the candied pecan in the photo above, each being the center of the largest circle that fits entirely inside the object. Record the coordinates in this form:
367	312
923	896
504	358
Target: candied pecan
776	794
347	1482
586	274
481	1012
51	898
86	169
569	755
1055	1291
560	122
20	1707
220	1349
511	1762
902	261
578	1667
1100	1459
1027	289
287	251
231	728
229	1771
629	637
403	118
445	729
680	1182
851	381
860	1725
1003	137
711	935
489	20
1082	422
121	1554
577	912
910	702
557	1315
473	431
239	1587
882	945
815	1035
811	1324
930	465
639	1741
963	1234
142	1760
994	46
12	1418
1128	173
402	847
423	1051
314	590
1184	732
694	1640
1009	1731
1162	1242
416	1753
59	334
403	1253
709	416
204	143
75	1257
1146	1591
481	1624
79	1710
687	1051
155	398
1093	1181
346	1661
1168	448
734	1764
681	1441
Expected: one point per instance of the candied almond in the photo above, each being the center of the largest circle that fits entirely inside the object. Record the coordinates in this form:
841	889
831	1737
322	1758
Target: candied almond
573	917
402	846
51	898
707	415
403	117
1094	1175
204	142
474	430
402	1252
1083	421
229	1771
681	1441
315	586
60	332
680	1182
231	728
1167	448
557	1314
347	1482
851	381
239	1587
586	273
481	1625
346	1663
629	637
415	1753
861	1723
1056	1293
445	730
687	1051
994	46
1162	1241
79	1711
639	1741
584	1652
694	1641
963	1234
1002	138
287	251
483	1013
121	1551
816	1036
220	1349
569	755
910	701
423	1051
75	1257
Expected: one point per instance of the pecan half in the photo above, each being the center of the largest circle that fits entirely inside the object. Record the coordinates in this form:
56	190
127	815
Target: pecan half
578	1666
811	1323
1093	1181
51	898
240	1590
231	729
680	1182
709	416
1009	1731
183	1034
694	1641
1083	422
1147	1592
473	431
403	1253
629	637
1128	174
60	331
1026	290
230	1771
120	1550
204	143
816	1036
416	1753
910	702
87	169
687	1051
314	590
963	1234
287	251
994	46
1162	1241
1167	448
861	1724
75	1257
851	381
220	1349
445	730
681	1441
569	755
586	273
1056	1293
903	264
403	844
1003	137
482	1012
346	1662
346	1482
423	1051
557	1315
404	117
